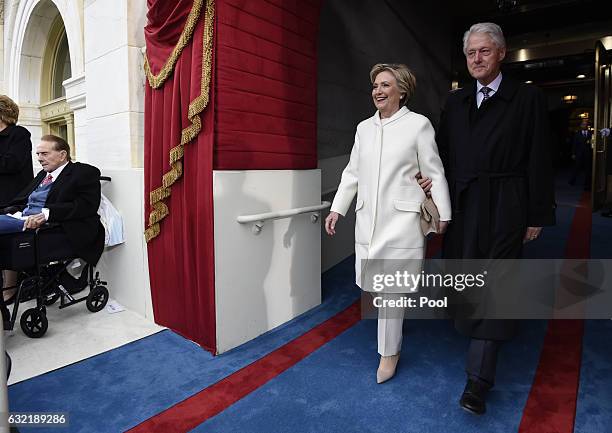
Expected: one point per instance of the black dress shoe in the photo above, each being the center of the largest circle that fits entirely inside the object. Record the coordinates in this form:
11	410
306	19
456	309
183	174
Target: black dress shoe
473	398
607	214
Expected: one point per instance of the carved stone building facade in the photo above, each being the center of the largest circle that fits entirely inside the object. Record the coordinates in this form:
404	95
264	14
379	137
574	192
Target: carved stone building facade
75	68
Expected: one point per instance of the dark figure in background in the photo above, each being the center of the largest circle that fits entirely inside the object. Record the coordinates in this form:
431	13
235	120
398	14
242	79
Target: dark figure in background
15	163
494	143
582	155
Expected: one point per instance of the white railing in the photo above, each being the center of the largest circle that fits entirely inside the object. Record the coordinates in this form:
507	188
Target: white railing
261	218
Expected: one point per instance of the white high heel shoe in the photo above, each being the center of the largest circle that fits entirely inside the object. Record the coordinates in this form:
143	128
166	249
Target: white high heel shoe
386	368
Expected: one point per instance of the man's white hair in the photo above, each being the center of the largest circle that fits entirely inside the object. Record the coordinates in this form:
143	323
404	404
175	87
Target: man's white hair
493	30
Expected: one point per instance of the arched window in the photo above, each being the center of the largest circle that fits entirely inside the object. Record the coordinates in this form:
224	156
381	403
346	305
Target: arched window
61	69
55	113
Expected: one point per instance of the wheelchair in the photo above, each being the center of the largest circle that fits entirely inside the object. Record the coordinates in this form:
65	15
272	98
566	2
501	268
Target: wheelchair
42	258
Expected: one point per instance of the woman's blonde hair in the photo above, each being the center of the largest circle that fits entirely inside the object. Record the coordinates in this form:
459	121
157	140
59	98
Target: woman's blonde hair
406	81
9	111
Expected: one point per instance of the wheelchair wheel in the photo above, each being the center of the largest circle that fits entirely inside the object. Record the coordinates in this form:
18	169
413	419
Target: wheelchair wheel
97	299
34	322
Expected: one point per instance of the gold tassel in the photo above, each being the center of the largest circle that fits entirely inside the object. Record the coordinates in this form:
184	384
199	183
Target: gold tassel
159	210
177	153
151	232
159	194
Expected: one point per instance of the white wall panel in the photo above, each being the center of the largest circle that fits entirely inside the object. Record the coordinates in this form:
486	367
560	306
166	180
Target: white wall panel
264	280
125	266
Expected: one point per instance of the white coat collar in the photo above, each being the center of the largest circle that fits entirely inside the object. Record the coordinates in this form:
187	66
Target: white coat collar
400	113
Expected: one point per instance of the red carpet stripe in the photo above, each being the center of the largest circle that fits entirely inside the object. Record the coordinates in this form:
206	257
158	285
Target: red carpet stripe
209	402
196	409
551	405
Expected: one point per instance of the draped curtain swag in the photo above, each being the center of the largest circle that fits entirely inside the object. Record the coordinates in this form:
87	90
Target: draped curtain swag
159	210
178	154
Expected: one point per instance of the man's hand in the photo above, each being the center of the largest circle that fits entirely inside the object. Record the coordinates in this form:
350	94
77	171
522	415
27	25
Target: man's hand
330	223
424	183
35	221
442	227
532	233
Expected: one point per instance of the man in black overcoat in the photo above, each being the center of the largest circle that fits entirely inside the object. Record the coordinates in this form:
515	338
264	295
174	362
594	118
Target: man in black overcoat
494	142
582	155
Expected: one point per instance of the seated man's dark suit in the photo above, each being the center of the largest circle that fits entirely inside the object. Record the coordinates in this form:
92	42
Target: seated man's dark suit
73	203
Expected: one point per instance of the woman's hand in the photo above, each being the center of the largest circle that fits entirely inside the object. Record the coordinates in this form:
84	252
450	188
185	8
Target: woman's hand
424	183
442	227
330	223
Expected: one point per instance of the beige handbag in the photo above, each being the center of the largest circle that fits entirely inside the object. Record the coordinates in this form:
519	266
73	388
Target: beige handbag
430	217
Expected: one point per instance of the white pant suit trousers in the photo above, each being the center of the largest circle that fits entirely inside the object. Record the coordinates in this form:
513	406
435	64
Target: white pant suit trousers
390	321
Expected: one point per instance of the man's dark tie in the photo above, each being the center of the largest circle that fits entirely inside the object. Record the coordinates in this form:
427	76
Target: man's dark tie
485	93
47	180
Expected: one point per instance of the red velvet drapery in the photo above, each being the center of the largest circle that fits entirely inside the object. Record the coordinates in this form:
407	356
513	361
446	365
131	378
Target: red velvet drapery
180	247
261	114
266	65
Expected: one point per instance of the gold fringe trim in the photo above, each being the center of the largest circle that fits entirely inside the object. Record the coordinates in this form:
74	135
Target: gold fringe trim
159	210
156	81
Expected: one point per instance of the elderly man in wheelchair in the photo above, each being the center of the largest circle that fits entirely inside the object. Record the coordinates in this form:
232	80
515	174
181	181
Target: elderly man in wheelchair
52	222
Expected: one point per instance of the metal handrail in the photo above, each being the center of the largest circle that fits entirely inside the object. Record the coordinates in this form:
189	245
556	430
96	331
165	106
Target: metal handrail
261	218
245	219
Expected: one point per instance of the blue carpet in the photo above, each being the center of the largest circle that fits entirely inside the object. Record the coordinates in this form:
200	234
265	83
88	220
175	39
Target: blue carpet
594	409
601	238
421	398
121	388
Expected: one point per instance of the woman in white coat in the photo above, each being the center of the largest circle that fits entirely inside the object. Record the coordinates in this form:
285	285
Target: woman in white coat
391	149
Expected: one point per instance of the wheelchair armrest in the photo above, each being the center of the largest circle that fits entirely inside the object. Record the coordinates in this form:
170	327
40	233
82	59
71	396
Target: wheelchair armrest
47	226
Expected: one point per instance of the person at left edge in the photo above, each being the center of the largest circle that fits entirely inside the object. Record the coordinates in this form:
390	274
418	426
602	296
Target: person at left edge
15	165
390	149
15	152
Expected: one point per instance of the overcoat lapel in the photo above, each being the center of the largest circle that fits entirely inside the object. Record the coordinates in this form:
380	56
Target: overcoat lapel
36	182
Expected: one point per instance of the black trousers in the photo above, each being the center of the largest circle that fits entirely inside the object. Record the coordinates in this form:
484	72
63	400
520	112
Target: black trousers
482	361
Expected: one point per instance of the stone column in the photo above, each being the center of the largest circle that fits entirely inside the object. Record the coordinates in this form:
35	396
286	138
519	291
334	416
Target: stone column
115	85
76	100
